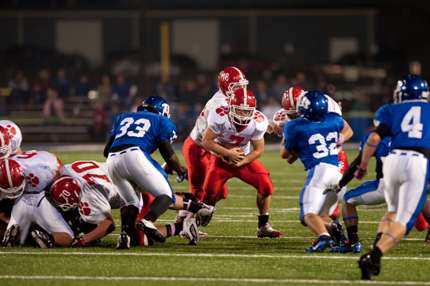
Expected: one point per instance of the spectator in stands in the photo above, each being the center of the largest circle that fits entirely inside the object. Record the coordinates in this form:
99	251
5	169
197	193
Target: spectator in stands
105	90
53	100
261	91
83	86
121	91
19	89
62	84
279	86
271	106
100	117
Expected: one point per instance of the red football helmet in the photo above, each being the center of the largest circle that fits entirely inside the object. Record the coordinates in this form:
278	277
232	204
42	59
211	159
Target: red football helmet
5	143
12	179
290	99
65	192
242	106
230	79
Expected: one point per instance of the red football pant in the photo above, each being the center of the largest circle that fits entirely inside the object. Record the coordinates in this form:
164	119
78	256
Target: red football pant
254	174
197	160
343	165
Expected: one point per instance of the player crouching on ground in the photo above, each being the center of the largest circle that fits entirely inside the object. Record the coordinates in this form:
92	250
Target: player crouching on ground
231	130
314	138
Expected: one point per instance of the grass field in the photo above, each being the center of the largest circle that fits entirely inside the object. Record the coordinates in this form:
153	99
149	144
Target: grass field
232	255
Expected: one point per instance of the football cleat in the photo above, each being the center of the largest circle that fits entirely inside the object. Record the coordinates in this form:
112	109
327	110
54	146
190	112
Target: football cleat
190	230
42	238
150	230
347	248
368	266
268	231
123	241
11	236
204	215
336	232
322	243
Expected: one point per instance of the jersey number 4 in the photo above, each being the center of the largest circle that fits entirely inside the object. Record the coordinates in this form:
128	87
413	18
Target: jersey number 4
411	123
133	128
322	149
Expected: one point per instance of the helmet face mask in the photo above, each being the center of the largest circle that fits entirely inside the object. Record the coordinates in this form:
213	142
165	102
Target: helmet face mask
242	106
5	143
65	193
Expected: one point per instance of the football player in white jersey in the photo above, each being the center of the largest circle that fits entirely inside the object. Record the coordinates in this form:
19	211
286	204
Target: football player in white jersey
40	168
86	186
231	131
196	157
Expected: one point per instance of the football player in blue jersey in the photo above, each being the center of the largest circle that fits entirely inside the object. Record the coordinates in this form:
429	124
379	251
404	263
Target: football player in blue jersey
406	167
313	137
368	193
135	136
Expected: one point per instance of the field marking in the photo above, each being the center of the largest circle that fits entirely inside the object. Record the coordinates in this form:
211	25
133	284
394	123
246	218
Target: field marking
205	255
208	279
232	220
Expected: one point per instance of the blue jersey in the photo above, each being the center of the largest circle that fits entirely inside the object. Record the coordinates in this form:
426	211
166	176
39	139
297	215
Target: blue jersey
315	142
408	123
143	129
383	147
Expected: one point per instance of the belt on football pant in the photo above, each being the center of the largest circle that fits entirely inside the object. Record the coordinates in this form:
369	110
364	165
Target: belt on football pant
123	150
403	152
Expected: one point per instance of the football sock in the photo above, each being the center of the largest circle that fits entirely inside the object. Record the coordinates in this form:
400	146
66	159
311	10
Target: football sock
128	221
191	206
263	219
352	231
377	238
376	254
158	207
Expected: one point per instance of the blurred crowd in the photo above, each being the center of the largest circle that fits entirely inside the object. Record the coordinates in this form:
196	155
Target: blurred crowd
104	93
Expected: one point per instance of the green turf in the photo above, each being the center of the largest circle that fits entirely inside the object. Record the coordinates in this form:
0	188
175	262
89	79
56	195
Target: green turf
231	254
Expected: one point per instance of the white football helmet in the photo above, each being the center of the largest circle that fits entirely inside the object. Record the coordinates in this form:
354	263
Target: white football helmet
14	134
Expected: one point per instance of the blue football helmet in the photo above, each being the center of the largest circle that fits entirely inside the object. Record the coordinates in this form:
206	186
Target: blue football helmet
313	105
156	104
411	87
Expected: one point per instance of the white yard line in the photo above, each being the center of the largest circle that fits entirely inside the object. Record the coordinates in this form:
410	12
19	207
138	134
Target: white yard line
207	279
205	255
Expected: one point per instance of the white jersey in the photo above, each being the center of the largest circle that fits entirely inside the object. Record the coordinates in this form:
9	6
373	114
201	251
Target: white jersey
41	168
229	136
14	133
201	123
97	189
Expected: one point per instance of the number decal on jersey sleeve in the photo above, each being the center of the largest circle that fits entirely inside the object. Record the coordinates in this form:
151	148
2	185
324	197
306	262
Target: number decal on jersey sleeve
322	150
83	166
411	123
27	155
140	127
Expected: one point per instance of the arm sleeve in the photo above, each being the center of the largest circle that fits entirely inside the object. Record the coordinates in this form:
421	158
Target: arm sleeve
215	119
261	127
108	145
290	135
349	173
167	131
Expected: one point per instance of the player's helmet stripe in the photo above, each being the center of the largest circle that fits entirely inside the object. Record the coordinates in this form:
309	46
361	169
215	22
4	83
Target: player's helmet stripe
291	98
9	177
240	73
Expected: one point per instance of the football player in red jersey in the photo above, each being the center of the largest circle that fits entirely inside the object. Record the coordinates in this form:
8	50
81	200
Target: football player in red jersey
196	157
231	130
